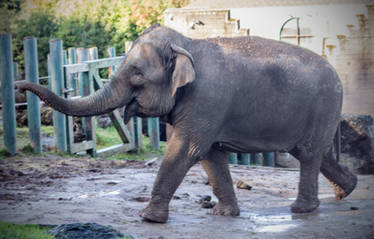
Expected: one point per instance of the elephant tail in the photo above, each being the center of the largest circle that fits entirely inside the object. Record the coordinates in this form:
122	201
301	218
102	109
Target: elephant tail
337	142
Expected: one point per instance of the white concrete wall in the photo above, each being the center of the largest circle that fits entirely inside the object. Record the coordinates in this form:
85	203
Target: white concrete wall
323	20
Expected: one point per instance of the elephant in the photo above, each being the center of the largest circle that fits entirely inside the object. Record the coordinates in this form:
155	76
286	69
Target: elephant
243	94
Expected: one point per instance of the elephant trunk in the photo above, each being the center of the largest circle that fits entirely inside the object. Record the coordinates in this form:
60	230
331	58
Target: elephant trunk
103	101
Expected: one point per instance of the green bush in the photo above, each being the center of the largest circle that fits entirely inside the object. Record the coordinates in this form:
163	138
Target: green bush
41	25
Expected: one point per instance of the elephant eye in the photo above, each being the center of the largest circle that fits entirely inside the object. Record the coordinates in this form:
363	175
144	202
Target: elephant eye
138	73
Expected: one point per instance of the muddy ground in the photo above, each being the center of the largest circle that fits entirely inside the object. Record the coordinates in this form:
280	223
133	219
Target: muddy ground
56	190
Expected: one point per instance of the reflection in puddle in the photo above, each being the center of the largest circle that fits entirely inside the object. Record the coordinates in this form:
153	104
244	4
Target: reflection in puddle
100	194
323	196
272	218
276	228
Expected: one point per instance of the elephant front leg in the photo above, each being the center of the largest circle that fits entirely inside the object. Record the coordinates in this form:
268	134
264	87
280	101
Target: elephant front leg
217	168
174	167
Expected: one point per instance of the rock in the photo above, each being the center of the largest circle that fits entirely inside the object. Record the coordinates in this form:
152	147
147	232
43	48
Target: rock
86	230
46	116
357	143
21	118
206	202
242	185
286	160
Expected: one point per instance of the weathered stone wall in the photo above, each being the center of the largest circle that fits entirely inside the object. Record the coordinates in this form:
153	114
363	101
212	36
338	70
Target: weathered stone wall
204	23
354	63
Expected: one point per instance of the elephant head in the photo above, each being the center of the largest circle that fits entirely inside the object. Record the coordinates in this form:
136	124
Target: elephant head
146	82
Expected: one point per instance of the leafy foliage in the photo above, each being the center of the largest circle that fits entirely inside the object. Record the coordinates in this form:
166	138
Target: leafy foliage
80	23
41	25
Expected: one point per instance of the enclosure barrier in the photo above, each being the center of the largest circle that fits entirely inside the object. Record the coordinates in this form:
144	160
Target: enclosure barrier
57	80
62	65
7	85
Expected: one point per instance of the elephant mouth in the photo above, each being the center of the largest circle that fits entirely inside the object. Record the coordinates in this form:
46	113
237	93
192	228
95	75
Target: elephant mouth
130	110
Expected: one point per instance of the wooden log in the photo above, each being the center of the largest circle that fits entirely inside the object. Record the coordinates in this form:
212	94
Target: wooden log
33	109
7	91
57	80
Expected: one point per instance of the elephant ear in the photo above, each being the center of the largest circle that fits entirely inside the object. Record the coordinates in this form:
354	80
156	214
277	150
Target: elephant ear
184	71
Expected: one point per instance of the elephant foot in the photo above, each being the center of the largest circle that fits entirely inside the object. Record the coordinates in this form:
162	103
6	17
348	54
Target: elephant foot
343	190
155	214
304	206
226	210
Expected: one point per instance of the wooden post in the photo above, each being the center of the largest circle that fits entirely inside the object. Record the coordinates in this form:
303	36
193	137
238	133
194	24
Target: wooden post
269	159
33	104
82	56
244	159
111	53
72	59
49	66
233	159
93	53
57	79
86	88
256	159
7	91
154	132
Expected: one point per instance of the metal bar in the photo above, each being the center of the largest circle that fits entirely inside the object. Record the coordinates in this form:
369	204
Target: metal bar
283	25
154	132
33	105
295	36
7	91
59	119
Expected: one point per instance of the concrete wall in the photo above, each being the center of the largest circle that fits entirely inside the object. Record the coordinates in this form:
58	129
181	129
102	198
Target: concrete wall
342	33
204	23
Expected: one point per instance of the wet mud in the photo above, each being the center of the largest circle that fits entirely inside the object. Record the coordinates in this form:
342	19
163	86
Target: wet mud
55	190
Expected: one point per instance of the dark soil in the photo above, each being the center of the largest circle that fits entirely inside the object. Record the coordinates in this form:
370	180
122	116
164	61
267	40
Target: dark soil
56	190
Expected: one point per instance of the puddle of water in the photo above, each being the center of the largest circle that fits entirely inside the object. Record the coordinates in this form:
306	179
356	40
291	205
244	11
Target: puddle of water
100	194
323	196
272	218
276	228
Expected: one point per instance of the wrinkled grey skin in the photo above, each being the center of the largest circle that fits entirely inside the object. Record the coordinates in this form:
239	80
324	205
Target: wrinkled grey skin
245	94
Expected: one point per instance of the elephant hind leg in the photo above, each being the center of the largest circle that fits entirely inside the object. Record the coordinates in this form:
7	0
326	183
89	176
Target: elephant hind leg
310	162
343	181
216	166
